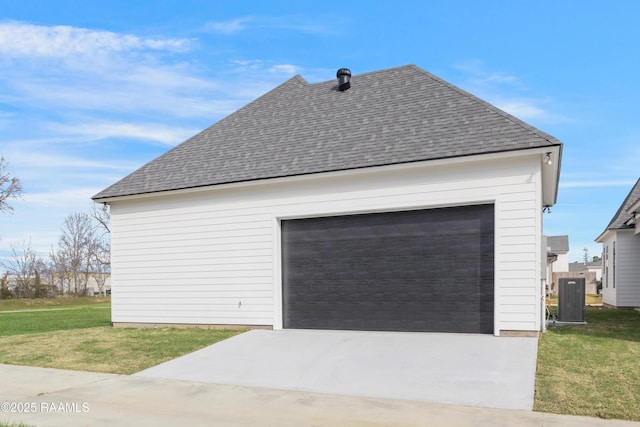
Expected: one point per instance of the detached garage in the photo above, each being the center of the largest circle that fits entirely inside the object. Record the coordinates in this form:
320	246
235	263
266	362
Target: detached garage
388	201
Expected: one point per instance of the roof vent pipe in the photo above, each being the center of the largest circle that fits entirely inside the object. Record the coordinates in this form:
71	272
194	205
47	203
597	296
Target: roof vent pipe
344	79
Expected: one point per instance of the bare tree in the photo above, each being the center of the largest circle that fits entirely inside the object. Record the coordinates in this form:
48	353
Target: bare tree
23	266
82	253
10	187
5	293
101	248
72	259
100	266
102	217
60	271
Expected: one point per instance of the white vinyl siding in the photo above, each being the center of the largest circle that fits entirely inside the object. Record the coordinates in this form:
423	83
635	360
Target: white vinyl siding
212	256
621	269
608	291
627	271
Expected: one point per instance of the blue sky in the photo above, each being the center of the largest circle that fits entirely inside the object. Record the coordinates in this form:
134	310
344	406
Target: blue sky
92	90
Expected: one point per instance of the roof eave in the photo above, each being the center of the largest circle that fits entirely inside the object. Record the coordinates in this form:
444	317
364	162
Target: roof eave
551	174
105	197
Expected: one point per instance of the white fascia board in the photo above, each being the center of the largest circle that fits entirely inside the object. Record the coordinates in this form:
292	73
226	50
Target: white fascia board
604	235
549	177
550	174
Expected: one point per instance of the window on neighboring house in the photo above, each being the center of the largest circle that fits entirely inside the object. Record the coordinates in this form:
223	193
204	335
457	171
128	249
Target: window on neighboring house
613	263
606	266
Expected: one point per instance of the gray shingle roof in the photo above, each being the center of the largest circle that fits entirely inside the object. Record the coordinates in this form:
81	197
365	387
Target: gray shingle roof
387	117
577	267
622	216
558	243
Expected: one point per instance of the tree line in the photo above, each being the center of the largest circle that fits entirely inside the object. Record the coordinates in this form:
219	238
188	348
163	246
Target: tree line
83	252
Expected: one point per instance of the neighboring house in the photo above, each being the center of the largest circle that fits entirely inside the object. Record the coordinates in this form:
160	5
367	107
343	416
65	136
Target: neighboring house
94	282
401	203
621	254
559	245
63	283
591	271
558	250
57	285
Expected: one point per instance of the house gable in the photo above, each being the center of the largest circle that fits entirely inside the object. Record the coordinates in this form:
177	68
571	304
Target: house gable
625	216
621	252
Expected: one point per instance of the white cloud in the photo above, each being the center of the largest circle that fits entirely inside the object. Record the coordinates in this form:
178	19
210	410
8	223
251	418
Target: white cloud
478	75
258	66
64	68
34	154
168	135
297	23
284	69
506	91
522	109
103	95
20	39
166	77
72	197
228	27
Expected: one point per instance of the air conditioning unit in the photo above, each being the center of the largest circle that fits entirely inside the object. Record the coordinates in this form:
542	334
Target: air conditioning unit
571	299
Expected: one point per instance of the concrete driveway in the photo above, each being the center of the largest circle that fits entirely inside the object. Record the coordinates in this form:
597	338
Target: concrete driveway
461	369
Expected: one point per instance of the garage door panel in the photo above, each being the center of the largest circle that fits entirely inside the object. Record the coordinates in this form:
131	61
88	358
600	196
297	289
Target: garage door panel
428	270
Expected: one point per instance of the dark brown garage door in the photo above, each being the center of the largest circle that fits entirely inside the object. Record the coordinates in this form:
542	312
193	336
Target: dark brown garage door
425	270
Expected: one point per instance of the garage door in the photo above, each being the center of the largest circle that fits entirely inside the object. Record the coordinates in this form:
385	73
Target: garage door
425	270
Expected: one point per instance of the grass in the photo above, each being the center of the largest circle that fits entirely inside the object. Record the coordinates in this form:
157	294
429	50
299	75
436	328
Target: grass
105	349
50	303
5	424
31	322
592	369
79	336
590	299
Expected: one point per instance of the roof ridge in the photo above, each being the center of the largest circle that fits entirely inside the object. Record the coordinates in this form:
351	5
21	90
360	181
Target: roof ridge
516	121
366	73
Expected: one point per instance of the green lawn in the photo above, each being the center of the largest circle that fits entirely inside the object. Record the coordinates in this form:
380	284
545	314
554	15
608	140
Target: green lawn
59	319
592	369
77	334
50	303
589	299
